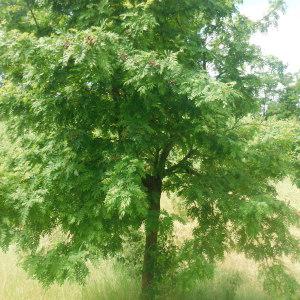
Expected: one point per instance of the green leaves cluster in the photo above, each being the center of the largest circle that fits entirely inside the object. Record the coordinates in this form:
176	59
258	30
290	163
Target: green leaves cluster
124	194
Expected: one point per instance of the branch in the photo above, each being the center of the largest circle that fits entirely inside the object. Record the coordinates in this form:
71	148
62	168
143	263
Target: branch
180	164
163	157
33	15
190	171
156	157
237	125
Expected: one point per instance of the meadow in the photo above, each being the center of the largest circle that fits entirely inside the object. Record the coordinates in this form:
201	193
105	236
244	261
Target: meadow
236	277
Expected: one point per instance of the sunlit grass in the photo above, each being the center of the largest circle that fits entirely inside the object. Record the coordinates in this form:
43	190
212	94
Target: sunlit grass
107	281
236	277
15	285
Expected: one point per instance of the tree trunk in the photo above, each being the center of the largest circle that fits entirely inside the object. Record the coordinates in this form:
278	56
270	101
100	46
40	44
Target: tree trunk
154	186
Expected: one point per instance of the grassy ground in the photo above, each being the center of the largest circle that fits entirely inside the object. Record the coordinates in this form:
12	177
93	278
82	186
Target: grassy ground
109	282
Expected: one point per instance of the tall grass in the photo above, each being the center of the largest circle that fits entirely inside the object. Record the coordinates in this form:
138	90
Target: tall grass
108	282
236	277
15	285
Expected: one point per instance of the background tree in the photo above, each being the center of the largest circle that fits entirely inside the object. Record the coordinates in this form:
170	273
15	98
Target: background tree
114	102
288	104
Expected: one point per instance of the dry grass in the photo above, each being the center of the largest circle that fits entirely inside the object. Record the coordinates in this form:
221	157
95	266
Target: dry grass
109	282
289	193
15	285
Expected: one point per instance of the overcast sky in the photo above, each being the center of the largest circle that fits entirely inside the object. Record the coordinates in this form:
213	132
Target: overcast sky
284	41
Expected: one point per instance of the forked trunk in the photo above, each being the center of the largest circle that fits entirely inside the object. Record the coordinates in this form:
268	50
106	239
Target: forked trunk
154	186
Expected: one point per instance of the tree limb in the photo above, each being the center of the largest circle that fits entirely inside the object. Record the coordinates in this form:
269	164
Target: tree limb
163	158
33	15
180	164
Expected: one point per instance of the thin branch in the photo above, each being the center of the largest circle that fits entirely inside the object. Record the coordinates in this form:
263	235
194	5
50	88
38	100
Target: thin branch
189	170
239	125
33	15
180	164
156	157
163	158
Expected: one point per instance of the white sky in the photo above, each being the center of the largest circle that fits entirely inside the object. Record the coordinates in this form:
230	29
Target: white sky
283	41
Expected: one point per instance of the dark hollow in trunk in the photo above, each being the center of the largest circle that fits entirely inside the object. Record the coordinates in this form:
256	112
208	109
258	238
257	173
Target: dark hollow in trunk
154	188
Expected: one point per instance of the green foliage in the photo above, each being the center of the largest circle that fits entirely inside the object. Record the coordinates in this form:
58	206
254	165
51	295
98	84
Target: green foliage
124	194
278	281
98	98
289	102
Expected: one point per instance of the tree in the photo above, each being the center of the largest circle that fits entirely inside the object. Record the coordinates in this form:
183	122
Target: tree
114	102
288	104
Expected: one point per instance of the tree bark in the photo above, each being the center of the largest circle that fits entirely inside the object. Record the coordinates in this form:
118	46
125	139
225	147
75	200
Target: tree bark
154	187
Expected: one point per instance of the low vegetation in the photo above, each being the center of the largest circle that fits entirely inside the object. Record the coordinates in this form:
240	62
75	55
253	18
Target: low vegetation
236	277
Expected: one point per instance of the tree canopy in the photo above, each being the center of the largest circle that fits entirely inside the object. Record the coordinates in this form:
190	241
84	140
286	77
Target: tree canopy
106	104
